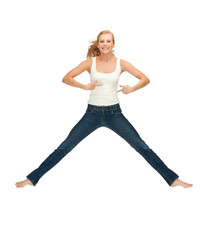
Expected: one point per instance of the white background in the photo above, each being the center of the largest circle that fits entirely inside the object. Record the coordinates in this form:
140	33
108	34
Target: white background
104	189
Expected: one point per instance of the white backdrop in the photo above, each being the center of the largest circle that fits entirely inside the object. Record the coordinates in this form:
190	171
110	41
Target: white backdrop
104	189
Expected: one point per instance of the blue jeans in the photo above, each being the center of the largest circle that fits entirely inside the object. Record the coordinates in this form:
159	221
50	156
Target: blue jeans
112	118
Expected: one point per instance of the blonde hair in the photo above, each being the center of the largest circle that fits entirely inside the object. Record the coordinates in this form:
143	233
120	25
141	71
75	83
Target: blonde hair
93	50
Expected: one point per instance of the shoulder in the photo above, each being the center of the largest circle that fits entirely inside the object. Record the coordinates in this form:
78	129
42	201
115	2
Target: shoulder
86	64
128	67
125	65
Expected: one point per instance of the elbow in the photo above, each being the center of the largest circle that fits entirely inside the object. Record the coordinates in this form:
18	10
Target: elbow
64	80
67	80
147	81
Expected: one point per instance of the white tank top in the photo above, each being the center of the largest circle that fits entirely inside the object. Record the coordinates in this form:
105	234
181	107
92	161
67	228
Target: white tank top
107	94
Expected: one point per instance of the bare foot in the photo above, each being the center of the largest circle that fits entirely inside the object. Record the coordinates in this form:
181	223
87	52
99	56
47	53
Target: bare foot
24	183
179	182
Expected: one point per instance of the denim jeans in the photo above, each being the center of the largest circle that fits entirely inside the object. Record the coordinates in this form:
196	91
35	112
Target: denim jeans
112	118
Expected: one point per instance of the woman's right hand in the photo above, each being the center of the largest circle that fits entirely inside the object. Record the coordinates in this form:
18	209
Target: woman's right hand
92	85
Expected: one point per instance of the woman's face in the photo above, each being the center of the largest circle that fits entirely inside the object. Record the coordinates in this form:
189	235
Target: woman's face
105	43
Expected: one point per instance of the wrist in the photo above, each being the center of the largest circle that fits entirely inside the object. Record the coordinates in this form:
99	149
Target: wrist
133	89
85	87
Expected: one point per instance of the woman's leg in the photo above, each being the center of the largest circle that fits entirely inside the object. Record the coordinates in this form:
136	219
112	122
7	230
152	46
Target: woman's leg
123	127
82	129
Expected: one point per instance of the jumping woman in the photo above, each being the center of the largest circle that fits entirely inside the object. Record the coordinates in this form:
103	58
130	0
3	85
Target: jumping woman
103	109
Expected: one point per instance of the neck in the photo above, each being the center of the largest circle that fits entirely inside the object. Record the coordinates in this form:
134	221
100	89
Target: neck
105	57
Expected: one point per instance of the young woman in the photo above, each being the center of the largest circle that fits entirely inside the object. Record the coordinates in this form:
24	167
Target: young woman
103	109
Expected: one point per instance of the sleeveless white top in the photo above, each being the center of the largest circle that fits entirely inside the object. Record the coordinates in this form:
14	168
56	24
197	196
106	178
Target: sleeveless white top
107	94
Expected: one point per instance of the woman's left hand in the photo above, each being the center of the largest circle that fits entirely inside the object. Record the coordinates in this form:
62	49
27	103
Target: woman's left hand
125	89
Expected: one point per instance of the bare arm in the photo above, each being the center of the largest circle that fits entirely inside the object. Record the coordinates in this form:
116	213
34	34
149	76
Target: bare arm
69	77
144	80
